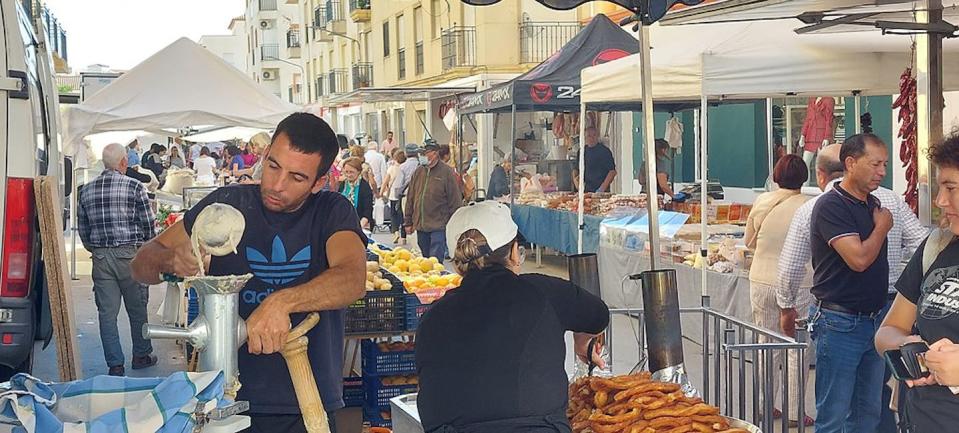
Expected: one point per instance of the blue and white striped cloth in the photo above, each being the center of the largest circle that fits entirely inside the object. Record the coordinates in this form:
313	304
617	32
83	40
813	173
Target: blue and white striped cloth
108	404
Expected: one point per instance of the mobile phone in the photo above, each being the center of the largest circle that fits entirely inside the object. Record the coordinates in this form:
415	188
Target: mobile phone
894	361
908	362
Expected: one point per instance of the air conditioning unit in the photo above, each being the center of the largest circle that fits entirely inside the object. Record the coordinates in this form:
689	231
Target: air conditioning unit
269	75
266	24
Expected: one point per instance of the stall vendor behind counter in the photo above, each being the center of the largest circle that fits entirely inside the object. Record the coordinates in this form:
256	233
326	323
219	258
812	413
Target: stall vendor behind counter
600	166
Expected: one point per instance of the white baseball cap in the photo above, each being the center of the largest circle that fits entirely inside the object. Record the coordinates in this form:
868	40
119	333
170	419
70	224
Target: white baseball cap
491	218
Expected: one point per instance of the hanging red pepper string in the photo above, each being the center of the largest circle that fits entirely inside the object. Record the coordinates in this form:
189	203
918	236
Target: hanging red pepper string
908	149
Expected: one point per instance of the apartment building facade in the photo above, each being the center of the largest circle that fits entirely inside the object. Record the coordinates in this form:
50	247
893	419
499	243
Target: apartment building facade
361	44
274	49
232	48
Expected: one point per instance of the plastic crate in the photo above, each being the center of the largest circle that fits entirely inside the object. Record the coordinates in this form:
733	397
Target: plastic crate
378	311
379	395
353	393
380	363
375	416
414	311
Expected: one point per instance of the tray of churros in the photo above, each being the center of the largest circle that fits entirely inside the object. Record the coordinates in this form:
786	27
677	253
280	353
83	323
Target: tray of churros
637	404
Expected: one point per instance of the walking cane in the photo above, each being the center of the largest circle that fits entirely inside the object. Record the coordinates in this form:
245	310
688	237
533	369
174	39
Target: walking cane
298	362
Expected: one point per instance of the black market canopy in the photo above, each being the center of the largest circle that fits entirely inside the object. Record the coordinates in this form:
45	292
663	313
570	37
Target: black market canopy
554	84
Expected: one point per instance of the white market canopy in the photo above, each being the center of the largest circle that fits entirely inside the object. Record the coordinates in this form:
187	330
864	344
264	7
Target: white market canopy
759	59
181	85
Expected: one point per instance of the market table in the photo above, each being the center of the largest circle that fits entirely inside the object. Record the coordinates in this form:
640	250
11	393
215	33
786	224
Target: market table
729	293
556	229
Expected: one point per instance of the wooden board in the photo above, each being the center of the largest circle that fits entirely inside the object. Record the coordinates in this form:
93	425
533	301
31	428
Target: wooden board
59	288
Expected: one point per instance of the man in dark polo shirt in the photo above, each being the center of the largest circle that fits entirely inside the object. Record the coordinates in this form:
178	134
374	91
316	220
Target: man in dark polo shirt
848	236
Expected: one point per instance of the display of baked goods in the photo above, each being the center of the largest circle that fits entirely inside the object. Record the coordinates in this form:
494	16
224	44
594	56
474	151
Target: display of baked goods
637	404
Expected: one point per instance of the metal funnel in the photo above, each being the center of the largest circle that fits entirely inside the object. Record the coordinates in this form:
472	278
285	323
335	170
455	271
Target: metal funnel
663	328
218	285
584	272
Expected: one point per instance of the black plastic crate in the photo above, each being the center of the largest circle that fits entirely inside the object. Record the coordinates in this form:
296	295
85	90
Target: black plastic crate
353	392
379	394
377	362
378	311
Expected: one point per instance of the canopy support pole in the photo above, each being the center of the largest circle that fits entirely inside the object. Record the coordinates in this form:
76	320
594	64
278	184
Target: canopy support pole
704	183
770	142
858	104
74	227
512	147
582	175
649	137
929	104
696	144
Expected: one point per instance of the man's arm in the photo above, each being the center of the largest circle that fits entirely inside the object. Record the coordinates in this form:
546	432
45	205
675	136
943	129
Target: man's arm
334	289
411	198
792	270
609	179
143	213
169	253
663	182
860	254
455	196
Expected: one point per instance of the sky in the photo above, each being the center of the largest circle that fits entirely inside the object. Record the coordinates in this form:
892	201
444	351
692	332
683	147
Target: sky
122	33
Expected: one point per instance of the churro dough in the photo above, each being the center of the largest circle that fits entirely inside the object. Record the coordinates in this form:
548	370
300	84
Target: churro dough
217	231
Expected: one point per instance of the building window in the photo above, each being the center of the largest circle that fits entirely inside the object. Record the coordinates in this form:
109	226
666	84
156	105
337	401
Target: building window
400	32
436	17
386	38
418	24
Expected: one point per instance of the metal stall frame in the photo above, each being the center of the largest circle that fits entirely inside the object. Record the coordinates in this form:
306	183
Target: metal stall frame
729	344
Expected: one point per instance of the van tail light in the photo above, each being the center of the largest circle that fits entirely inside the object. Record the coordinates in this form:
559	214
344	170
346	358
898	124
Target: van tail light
18	232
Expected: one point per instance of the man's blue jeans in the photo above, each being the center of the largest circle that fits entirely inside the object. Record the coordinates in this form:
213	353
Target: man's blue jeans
849	371
112	283
432	244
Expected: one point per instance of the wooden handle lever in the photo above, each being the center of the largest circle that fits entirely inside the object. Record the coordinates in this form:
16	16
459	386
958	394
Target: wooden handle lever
298	362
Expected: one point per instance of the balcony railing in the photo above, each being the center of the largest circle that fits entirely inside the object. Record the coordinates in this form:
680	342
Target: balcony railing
360	11
362	75
458	47
401	63
293	39
356	5
338	80
68	83
267	5
418	58
539	40
320	85
333	11
270	51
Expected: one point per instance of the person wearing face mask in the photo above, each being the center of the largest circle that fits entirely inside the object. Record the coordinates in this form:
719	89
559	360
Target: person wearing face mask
500	335
357	190
434	194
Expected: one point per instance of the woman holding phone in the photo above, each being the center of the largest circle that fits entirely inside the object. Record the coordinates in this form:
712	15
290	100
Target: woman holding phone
926	310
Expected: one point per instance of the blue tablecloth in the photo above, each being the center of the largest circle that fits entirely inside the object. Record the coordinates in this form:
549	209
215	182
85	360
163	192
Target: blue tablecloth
556	229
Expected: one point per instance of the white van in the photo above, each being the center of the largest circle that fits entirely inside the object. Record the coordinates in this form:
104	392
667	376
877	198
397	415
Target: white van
29	147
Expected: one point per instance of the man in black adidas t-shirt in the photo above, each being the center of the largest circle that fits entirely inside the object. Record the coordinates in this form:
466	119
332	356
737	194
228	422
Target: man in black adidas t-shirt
306	250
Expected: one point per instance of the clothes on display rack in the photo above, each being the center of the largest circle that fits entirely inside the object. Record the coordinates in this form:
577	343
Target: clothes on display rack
674	134
818	128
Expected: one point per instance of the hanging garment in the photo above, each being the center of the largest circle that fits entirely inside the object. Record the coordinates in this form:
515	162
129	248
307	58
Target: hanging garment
818	126
674	134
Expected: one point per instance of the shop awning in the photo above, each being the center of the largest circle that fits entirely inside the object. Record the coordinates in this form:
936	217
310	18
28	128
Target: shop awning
399	94
819	15
554	84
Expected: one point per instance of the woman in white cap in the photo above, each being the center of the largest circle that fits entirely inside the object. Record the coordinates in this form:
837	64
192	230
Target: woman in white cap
490	354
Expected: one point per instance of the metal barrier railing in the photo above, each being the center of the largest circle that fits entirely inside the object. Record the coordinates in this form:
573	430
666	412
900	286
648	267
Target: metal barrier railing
737	365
